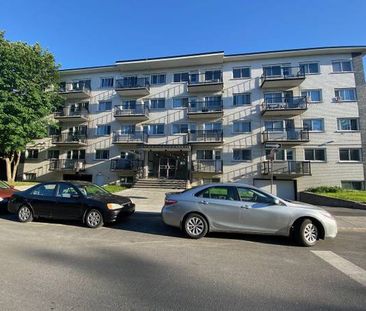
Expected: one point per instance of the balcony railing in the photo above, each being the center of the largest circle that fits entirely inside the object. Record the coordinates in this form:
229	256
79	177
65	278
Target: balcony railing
67	164
284	103
205	106
286	168
69	138
78	86
138	110
207	166
291	135
208	136
136	137
125	164
72	113
132	83
210	81
278	76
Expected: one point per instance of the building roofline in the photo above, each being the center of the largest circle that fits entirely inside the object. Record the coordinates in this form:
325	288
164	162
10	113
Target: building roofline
86	68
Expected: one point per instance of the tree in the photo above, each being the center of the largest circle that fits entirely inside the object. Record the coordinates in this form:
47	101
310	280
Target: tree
28	95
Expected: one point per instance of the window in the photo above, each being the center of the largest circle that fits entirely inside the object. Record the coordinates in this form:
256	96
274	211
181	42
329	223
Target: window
213	75
154	129
180	128
315	154
241	99
242	155
251	195
103	130
158	79
128	129
342	66
273	97
181	77
105	106
242	127
31	154
180	102
66	191
354	185
313	96
212	126
158	103
243	72
101	154
272	71
281	155
129	104
204	154
349	154
46	190
345	94
76	154
314	125
219	193
309	68
348	124
106	82
53	154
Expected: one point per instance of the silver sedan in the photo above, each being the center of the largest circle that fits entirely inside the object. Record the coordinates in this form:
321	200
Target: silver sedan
235	207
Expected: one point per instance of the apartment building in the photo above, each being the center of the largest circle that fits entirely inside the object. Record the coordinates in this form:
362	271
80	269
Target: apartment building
281	120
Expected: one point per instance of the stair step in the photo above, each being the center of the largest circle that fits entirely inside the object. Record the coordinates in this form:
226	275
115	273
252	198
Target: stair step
161	183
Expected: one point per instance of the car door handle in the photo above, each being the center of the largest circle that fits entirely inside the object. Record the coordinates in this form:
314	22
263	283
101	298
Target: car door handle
246	206
203	202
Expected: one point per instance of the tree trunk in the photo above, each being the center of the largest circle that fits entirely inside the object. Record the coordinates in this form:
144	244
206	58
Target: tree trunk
15	166
8	170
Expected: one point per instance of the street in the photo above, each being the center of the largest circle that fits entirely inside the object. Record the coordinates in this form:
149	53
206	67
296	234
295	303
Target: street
140	264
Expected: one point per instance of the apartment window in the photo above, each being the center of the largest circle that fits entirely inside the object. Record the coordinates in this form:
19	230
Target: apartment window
310	68
242	154
342	66
315	154
31	154
76	154
273	97
212	126
345	94
204	154
272	71
106	82
242	72
53	154
154	129
213	75
314	125
313	96
105	106
281	155
242	127
279	125
129	104
101	154
349	154
128	129
180	102
348	124
158	103
241	99
180	128
181	77
103	130
353	185
158	79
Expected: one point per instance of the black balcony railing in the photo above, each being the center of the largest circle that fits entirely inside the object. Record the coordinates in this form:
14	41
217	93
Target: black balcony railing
76	86
206	136
278	72
72	113
136	137
71	138
286	167
207	166
67	164
206	77
205	106
121	111
125	164
132	83
285	103
286	135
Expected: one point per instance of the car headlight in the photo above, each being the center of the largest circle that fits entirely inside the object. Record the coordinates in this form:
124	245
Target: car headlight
113	206
1	199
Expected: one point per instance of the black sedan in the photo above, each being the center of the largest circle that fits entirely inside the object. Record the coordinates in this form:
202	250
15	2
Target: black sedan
76	200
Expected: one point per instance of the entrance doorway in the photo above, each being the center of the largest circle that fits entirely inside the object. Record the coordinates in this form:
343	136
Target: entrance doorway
168	164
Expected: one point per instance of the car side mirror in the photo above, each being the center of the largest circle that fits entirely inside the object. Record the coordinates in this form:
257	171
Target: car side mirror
276	202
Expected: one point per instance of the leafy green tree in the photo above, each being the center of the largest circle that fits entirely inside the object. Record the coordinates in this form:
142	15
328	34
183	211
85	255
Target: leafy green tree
28	95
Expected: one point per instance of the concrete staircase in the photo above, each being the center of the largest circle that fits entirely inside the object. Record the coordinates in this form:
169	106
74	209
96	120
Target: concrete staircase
154	183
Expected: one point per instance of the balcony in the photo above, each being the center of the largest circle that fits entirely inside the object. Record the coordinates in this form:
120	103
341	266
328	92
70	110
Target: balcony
75	90
284	106
133	86
208	82
286	168
282	77
288	137
129	139
72	115
205	137
207	166
120	165
205	110
69	139
136	113
67	165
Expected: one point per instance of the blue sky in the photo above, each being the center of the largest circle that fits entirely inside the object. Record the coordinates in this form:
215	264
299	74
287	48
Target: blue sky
86	33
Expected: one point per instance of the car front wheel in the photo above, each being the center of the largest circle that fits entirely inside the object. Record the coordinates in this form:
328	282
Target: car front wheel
25	214
195	226
94	218
308	233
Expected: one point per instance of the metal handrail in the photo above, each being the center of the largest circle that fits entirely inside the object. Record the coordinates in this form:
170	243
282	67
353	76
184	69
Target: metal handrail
287	72
69	138
285	102
286	167
137	110
204	77
130	137
71	113
75	86
206	136
132	83
295	134
205	106
67	164
207	166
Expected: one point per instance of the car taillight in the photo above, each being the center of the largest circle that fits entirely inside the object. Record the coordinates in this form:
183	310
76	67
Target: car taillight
170	202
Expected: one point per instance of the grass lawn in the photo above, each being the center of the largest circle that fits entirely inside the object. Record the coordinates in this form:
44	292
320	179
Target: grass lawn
114	188
352	195
23	183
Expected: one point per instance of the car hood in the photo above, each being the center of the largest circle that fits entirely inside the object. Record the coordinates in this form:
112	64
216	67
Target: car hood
111	198
303	206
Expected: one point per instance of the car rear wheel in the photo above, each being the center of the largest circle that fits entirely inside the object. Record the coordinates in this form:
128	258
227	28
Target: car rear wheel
94	218
195	226
25	214
308	233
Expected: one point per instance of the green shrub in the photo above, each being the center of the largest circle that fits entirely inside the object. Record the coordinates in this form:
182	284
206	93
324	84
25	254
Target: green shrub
329	189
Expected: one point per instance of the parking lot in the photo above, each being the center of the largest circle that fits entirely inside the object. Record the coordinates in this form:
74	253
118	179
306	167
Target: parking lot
140	264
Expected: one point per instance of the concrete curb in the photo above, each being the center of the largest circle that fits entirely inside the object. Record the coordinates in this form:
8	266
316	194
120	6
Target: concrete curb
317	199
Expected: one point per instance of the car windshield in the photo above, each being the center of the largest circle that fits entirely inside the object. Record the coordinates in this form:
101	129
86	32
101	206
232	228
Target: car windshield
92	190
3	185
